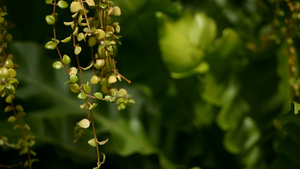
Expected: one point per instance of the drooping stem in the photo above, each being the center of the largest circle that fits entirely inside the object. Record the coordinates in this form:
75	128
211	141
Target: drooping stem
95	137
55	38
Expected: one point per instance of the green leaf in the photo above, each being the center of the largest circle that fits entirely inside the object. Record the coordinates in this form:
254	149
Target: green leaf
103	142
8	109
24	151
66	59
50	19
189	35
1	142
242	138
84	123
90	2
296	108
93	106
92	41
100	34
49	1
80	36
11	119
57	65
233	109
95	79
81	96
73	78
62	4
98	95
77	50
103	5
84	106
114	11
50	45
92	142
75	6
97	167
67	39
112	79
75	88
88	67
87	88
122	92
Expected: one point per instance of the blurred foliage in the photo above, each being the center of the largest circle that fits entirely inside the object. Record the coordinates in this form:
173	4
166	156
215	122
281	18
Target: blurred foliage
215	84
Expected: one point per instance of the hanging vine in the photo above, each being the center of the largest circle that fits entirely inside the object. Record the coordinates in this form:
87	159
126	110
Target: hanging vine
100	32
8	85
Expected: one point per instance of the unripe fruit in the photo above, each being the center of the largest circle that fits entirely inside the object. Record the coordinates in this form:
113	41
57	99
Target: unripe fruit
4	72
12	72
9	63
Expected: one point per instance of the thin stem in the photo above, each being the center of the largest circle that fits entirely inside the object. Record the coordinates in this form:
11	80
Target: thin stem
85	15
11	166
77	57
95	137
128	81
55	39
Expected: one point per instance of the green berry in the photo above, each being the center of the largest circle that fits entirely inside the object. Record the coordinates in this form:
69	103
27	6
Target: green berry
4	72
8	63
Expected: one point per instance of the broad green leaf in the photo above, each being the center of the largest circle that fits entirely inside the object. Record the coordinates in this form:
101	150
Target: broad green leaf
243	137
182	42
233	107
227	44
288	148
